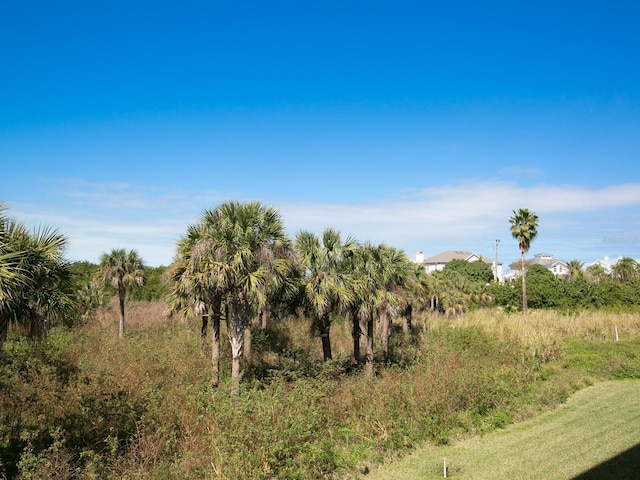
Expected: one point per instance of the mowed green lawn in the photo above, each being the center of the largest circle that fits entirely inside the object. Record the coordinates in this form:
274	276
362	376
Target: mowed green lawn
595	435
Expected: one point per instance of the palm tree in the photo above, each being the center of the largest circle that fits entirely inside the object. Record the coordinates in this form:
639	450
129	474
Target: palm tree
36	287
625	270
121	270
12	278
417	289
250	255
194	290
326	284
382	278
595	273
524	228
393	270
575	269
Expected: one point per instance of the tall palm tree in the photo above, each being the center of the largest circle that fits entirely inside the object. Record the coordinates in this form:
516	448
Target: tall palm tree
326	284
121	270
524	228
250	255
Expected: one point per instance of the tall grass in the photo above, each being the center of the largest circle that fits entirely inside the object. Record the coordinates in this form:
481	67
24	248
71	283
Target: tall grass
85	405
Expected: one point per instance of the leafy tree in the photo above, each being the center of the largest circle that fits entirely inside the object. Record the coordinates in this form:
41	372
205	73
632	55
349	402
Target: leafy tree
524	228
121	270
507	294
154	287
543	287
326	285
477	272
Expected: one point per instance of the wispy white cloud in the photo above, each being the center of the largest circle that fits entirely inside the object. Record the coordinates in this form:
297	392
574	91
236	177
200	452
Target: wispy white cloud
471	215
575	220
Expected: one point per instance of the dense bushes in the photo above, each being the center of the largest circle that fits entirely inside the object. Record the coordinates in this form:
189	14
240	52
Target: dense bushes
546	291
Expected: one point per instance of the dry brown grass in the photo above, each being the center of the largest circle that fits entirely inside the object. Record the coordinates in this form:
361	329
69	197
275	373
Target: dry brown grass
543	330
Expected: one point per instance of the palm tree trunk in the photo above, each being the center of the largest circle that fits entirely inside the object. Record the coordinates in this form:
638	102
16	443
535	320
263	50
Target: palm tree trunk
326	339
203	333
264	317
407	319
235	331
384	331
215	343
246	351
369	349
37	327
355	334
4	328
524	284
121	299
236	357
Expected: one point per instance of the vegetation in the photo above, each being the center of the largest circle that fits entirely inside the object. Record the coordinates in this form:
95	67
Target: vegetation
149	412
454	357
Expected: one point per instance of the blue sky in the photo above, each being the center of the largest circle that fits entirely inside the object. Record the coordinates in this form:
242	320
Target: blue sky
419	124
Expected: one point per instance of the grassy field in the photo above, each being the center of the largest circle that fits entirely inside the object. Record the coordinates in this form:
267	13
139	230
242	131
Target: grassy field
596	434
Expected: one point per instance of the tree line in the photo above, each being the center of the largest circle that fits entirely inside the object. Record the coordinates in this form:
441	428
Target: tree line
237	265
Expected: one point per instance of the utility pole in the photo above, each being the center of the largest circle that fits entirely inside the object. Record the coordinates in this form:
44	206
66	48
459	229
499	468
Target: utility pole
495	265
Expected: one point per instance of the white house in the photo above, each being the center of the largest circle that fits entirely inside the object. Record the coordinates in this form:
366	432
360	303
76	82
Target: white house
558	267
606	263
439	261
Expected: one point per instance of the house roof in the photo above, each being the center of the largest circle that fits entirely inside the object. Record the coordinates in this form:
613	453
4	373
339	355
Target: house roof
446	257
544	259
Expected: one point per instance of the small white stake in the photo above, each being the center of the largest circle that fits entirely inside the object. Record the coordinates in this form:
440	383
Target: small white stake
445	467
617	333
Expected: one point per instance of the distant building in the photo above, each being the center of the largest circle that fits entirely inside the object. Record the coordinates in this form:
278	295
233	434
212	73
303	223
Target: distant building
558	267
606	263
439	261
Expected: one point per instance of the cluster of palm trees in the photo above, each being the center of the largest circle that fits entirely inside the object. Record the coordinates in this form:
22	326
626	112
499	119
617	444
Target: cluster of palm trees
237	263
